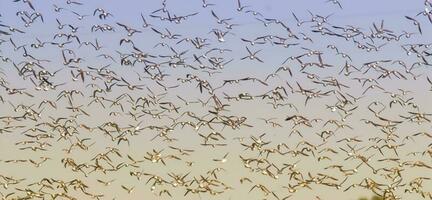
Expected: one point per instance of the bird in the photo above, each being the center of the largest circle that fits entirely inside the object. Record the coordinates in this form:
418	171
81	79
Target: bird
415	22
128	189
252	56
335	2
224	159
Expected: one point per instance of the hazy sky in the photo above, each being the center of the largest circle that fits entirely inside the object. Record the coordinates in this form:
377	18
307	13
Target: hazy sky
357	13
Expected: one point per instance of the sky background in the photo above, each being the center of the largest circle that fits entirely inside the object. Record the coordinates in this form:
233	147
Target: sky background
358	13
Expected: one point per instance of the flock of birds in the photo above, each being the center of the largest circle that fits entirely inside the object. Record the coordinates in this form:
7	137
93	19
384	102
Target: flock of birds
171	117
